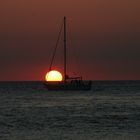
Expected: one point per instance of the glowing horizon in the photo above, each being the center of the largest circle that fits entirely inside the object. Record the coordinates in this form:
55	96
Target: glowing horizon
53	75
104	34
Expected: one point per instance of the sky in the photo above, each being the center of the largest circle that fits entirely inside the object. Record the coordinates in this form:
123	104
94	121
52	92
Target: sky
103	38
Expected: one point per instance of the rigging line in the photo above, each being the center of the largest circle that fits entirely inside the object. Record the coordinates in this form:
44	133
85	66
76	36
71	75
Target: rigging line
54	52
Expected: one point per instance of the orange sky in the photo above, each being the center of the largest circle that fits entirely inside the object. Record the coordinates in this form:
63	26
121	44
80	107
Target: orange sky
106	35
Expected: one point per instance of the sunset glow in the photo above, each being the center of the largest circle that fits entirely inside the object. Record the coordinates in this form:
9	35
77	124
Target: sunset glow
53	75
103	39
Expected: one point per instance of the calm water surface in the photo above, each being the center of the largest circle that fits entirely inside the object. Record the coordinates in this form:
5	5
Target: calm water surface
110	111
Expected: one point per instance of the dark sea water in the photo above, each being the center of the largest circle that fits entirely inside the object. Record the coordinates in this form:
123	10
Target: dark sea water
110	111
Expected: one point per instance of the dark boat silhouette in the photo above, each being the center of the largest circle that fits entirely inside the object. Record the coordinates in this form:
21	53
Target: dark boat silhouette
68	83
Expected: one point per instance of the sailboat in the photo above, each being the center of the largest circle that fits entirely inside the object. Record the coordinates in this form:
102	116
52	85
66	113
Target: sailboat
68	83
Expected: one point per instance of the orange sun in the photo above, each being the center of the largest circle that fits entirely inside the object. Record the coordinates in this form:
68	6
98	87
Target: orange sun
53	75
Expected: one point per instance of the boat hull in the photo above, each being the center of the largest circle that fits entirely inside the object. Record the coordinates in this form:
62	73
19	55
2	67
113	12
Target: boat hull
76	85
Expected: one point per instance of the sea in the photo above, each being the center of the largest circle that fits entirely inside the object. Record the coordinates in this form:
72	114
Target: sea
110	111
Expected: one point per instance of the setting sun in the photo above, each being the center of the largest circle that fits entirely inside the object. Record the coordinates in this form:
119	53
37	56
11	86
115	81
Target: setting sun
53	75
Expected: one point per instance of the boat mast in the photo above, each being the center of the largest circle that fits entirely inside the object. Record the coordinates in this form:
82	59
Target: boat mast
65	45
